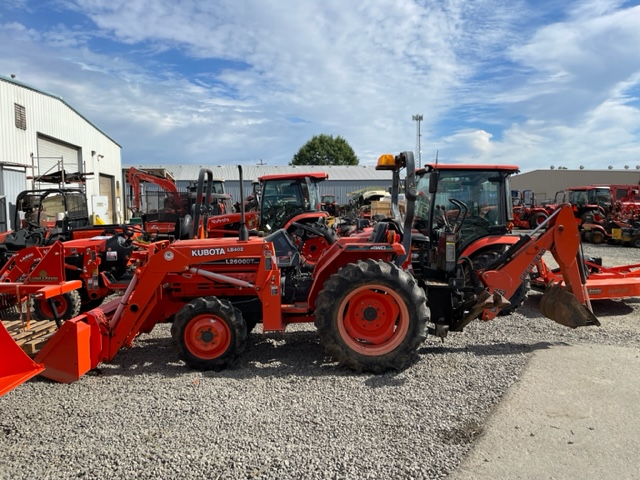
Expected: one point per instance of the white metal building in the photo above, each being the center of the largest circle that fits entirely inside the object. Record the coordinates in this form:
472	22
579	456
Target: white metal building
42	134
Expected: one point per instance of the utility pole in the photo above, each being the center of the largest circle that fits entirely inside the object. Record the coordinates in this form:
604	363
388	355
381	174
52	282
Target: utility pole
418	118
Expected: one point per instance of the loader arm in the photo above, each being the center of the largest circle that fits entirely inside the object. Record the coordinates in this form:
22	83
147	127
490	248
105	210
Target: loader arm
568	305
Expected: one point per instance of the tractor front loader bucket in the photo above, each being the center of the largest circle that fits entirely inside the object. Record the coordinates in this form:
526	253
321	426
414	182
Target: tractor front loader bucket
72	351
16	367
561	306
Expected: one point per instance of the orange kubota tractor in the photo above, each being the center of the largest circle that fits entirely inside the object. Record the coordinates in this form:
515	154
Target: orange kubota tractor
370	311
462	255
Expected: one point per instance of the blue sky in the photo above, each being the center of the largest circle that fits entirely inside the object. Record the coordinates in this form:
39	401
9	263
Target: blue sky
531	83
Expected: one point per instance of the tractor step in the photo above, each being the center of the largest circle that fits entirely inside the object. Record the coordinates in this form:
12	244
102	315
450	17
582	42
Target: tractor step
30	336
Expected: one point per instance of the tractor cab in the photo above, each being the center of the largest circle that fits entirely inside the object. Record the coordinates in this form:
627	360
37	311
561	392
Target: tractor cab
285	198
469	201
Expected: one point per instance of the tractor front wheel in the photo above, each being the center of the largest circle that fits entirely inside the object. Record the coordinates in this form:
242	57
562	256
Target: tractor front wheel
209	333
67	306
372	316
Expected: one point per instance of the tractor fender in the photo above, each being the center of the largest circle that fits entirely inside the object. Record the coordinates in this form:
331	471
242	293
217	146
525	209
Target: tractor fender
486	242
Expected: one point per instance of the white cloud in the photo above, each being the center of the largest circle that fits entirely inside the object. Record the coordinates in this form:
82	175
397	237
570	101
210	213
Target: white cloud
492	82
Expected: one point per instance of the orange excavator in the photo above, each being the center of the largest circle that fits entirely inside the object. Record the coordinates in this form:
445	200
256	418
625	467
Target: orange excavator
371	309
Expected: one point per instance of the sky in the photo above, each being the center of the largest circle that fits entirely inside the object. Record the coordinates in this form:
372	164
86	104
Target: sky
535	83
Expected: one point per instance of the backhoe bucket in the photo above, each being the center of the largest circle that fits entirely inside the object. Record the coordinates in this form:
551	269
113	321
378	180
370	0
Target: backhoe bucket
15	366
563	307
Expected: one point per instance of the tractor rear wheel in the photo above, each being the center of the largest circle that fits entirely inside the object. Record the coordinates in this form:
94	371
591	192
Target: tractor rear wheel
537	219
371	316
636	242
209	333
482	260
67	306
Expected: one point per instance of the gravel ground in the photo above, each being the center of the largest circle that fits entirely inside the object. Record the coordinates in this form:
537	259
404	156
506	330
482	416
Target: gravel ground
285	411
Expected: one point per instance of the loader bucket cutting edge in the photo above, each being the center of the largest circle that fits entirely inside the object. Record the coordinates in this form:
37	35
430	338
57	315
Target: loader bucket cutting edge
67	354
16	367
561	306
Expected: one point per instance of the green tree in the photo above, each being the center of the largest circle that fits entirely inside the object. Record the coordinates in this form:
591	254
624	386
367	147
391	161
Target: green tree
325	150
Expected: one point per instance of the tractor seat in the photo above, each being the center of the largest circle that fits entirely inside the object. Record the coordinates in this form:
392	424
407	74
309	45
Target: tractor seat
386	231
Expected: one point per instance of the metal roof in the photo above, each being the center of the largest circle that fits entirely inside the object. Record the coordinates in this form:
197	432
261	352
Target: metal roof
57	97
252	172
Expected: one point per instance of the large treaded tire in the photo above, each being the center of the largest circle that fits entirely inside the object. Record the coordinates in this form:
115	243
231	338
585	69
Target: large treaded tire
67	306
372	316
484	259
209	333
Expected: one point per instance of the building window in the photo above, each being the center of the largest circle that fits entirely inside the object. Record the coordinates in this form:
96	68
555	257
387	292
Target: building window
21	117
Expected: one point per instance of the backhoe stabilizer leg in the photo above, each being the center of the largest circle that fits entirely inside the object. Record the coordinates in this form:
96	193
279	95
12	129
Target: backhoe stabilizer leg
561	306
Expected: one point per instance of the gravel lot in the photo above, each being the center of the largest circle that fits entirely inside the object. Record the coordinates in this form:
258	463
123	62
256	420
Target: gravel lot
286	411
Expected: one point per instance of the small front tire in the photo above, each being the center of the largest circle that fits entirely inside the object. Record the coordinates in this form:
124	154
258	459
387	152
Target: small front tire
209	333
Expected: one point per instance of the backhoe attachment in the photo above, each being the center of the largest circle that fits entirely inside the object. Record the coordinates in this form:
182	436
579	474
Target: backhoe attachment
565	302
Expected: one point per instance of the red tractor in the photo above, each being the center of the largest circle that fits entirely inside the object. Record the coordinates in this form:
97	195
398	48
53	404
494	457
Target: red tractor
292	202
591	204
102	264
370	311
329	204
526	214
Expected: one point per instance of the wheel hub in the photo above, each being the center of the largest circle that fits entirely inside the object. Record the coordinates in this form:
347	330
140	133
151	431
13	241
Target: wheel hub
207	336
370	314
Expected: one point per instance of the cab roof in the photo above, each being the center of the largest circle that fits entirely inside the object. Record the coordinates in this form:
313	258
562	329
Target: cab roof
428	167
318	176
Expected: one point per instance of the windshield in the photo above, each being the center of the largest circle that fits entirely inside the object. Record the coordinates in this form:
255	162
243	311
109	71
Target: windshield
601	197
283	199
465	199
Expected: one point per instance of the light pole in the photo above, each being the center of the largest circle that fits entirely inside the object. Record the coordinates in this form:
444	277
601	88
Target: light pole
418	118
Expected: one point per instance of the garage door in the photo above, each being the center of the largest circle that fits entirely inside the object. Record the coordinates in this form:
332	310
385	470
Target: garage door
52	155
13	182
106	189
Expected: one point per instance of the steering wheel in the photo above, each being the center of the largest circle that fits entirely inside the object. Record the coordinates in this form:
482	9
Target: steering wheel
325	233
31	223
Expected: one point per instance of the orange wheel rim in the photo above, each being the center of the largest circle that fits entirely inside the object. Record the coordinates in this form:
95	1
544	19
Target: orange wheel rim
60	303
313	248
373	320
207	336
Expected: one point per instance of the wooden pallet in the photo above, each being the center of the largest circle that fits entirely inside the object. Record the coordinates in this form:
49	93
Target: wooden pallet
30	339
